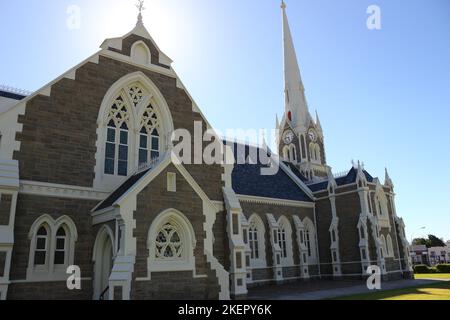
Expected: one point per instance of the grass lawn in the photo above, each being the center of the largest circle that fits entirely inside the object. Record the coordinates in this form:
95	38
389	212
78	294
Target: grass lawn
444	276
435	291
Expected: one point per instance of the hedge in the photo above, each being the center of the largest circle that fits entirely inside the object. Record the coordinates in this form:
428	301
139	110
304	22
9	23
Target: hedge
440	268
421	268
443	268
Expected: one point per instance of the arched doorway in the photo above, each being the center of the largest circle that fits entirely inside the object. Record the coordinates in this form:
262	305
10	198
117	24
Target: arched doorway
103	262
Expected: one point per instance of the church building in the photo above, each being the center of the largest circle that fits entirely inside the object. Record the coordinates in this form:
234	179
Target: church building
89	186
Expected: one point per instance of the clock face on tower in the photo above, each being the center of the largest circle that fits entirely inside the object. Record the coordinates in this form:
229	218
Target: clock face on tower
312	135
288	137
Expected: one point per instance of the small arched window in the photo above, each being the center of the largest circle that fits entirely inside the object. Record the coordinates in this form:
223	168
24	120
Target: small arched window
61	247
168	243
293	153
257	242
318	156
310	239
140	53
312	152
253	241
286	153
42	246
171	243
390	246
52	247
383	246
284	238
282	241
303	146
117	137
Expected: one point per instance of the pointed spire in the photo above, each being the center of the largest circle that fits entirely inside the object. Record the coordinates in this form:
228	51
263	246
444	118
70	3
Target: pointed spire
387	179
296	104
318	124
277	122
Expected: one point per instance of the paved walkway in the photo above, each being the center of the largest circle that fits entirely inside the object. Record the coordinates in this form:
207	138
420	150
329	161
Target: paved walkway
324	289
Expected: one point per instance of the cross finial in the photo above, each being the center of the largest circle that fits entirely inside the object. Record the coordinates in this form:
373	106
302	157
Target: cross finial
140	7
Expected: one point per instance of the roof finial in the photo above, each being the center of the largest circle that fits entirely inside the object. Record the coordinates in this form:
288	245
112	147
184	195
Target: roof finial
140	7
283	5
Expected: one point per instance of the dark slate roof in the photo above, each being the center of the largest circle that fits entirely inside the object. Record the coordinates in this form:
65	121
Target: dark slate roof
127	185
349	178
295	170
11	95
247	178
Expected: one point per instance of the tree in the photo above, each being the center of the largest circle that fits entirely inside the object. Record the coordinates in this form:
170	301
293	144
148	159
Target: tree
432	241
435	241
420	241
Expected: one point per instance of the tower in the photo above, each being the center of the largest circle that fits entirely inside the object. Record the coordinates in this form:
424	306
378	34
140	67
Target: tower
301	139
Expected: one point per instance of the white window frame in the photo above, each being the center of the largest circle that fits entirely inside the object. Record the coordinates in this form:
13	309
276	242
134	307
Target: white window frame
153	96
285	225
311	231
50	271
187	237
260	262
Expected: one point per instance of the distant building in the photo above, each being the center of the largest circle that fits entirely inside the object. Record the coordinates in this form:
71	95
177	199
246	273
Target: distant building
419	254
438	255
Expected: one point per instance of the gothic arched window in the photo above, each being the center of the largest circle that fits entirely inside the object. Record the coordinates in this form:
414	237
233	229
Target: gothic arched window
117	139
150	139
253	241
41	246
303	146
257	242
285	241
52	247
293	153
282	241
168	243
61	247
171	242
390	246
310	238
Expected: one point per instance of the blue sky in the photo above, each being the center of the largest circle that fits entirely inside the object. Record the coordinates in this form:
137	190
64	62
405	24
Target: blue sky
383	96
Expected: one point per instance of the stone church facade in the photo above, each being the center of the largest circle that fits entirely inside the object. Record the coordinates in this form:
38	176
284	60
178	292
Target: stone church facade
88	179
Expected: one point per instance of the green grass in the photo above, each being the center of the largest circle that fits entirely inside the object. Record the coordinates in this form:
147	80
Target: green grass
435	291
444	276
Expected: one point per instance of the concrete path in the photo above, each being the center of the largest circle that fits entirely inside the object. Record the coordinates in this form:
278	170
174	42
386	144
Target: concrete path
296	292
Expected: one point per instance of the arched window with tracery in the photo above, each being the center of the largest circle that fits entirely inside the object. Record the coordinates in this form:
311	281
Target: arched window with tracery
150	139
117	138
169	245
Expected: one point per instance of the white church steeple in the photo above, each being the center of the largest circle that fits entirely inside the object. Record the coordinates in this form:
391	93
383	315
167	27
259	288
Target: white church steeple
296	106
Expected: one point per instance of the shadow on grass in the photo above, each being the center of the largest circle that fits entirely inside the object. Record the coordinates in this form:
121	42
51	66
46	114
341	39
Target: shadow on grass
436	291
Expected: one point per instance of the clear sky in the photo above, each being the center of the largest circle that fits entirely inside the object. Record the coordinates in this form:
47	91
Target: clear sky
383	96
